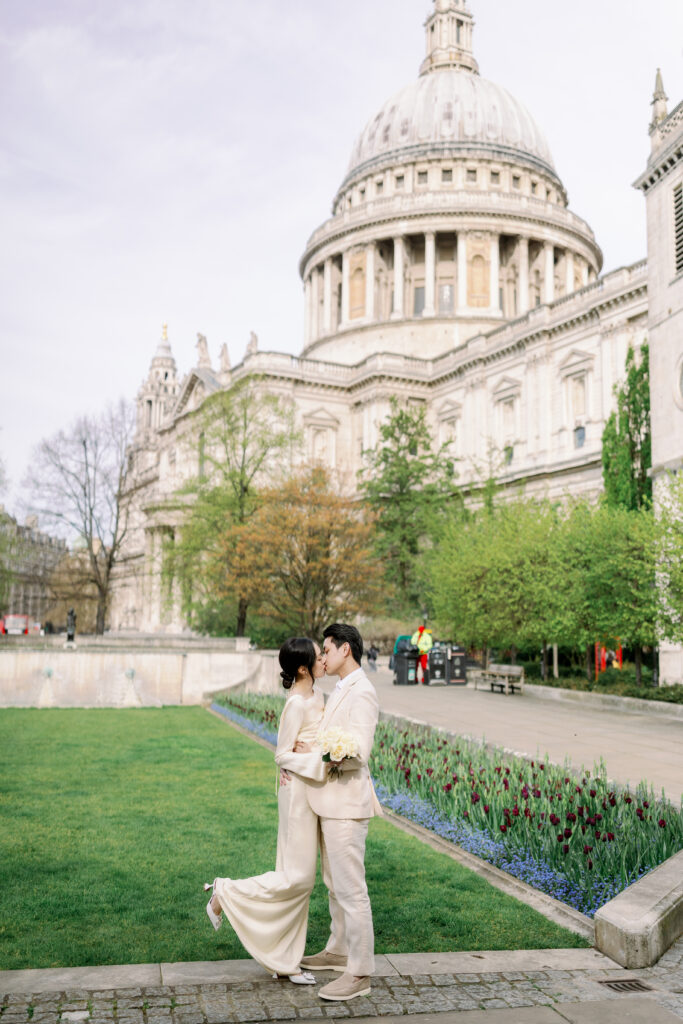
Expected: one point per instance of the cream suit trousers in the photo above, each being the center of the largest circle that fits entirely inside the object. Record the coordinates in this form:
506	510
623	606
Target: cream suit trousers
342	857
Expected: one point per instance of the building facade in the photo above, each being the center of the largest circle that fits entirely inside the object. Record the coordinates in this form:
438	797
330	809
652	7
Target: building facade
451	274
28	558
662	186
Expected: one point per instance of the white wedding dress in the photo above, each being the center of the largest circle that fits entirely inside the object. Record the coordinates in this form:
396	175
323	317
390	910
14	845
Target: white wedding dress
269	912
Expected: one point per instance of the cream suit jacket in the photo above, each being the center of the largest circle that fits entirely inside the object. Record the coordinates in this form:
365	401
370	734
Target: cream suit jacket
355	709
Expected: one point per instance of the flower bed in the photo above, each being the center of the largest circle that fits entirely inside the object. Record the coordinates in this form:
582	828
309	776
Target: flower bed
572	836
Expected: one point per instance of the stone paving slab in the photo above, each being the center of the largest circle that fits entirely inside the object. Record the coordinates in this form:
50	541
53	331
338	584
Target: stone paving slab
549	986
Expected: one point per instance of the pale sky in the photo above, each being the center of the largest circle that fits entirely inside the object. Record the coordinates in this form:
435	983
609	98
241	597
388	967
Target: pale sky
166	160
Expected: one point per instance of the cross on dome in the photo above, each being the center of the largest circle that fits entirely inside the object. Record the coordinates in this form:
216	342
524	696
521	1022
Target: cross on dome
449	38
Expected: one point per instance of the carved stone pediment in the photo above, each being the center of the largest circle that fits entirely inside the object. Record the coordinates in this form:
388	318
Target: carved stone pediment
321	418
576	362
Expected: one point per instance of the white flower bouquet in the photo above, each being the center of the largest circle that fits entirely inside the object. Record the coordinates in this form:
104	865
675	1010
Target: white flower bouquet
337	745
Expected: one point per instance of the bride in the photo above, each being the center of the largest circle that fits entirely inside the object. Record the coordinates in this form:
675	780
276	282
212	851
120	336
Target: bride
269	912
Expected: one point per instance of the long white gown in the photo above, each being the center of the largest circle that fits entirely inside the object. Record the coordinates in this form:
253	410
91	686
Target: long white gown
269	912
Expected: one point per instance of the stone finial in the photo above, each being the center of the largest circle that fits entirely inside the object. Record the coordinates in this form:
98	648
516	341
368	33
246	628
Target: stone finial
164	331
659	99
225	359
449	38
204	359
252	345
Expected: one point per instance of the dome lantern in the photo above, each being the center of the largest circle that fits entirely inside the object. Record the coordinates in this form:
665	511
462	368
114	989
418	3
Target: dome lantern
449	38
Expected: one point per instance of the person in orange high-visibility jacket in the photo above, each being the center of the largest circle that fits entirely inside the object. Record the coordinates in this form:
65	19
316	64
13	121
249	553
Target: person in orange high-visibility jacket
422	639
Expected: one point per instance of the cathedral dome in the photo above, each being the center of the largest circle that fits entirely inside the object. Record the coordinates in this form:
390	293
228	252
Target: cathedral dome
454	111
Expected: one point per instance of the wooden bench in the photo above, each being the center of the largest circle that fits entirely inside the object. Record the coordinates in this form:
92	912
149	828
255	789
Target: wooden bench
506	678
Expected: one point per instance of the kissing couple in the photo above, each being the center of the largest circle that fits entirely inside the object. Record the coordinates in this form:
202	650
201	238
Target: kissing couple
325	803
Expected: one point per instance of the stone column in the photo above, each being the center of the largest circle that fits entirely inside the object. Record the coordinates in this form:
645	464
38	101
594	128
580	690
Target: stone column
399	262
523	278
345	290
495	274
430	273
549	275
315	304
584	273
569	271
307	310
462	271
327	296
370	282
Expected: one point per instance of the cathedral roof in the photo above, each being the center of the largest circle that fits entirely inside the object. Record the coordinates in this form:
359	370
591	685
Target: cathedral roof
452	109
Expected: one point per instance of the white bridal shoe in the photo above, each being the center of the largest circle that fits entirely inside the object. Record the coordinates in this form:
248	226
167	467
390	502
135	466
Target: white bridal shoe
305	978
215	919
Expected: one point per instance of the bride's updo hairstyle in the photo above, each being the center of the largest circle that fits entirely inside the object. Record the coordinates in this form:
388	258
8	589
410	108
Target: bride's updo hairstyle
295	653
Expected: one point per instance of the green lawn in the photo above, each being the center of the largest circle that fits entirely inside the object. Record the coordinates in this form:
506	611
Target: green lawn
112	820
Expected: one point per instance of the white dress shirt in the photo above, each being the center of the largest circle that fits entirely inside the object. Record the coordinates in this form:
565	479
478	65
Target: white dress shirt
348	679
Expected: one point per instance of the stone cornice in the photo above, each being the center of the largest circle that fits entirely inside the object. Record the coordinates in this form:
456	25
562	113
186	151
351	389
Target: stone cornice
405	155
457	206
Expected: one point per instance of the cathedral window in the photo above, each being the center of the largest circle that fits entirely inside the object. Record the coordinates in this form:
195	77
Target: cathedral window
579	437
362	195
578	396
516	181
447	175
446	297
678	228
495	177
400	181
422	177
148	412
379	187
471	174
419	300
534	188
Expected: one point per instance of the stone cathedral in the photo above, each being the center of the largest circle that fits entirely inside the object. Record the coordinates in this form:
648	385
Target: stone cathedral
452	274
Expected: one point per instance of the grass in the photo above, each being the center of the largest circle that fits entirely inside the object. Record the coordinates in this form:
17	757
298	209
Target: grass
113	819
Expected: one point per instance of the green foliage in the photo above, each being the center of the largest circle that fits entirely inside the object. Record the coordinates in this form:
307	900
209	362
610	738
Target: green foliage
627	439
410	487
131	811
527	574
495	576
669	545
245	437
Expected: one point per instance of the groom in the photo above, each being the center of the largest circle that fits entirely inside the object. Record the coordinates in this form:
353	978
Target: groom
344	803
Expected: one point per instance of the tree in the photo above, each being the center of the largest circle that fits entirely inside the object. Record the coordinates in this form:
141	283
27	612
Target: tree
309	551
77	483
627	439
619	578
409	487
495	576
244	436
5	545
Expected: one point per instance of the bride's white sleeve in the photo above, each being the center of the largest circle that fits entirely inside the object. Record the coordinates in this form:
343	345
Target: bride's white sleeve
291	720
310	765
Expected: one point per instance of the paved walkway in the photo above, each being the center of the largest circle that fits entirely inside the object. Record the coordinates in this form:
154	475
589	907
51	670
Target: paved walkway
523	987
634	746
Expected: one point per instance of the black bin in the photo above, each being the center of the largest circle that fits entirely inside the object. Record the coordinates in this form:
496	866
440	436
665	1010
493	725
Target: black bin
437	666
457	671
405	668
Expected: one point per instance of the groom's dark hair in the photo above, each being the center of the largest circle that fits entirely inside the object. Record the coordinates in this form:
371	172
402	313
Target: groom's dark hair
340	633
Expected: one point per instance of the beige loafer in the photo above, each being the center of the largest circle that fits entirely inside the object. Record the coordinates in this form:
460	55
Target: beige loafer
324	961
346	987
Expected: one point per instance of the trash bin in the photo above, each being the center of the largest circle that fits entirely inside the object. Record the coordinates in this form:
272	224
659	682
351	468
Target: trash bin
405	668
437	666
456	666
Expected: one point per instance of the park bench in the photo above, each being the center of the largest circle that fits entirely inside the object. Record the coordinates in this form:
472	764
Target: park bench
506	678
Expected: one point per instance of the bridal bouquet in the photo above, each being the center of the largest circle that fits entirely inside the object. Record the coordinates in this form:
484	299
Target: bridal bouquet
336	746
